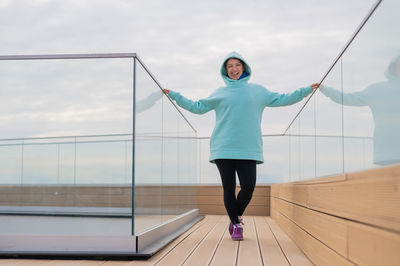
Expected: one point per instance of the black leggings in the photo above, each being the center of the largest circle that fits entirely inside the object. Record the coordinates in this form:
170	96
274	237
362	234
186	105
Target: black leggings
246	171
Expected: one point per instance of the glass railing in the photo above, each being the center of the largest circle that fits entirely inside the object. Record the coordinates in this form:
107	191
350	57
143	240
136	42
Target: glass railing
90	146
352	125
69	182
352	122
165	156
57	161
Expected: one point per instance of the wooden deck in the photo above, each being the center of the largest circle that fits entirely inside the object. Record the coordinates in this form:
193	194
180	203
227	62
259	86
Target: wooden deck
209	243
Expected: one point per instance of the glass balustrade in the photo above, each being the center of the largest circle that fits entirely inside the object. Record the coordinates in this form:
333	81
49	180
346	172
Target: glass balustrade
90	147
351	123
356	115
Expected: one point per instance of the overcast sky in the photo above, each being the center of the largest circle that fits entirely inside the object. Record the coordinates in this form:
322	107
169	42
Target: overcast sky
289	44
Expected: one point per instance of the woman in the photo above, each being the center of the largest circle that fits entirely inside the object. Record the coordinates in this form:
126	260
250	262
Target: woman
236	142
383	100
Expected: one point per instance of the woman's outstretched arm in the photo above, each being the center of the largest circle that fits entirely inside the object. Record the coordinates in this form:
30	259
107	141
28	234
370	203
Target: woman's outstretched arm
273	99
196	107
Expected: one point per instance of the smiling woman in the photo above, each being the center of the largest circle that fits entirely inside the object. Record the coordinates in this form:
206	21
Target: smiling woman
236	142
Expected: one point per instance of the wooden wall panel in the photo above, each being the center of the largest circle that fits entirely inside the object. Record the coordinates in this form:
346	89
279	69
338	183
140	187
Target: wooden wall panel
356	216
373	246
328	229
216	190
369	197
210	200
293	193
318	253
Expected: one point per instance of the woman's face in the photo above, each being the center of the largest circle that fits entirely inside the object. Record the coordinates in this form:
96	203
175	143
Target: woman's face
234	68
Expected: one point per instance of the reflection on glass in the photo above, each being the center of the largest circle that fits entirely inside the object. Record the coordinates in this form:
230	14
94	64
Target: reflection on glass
165	157
148	102
382	99
148	152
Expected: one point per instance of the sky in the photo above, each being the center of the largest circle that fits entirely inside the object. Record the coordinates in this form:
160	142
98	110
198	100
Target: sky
289	44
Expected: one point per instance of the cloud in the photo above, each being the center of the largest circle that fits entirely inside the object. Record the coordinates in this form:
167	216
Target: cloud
289	44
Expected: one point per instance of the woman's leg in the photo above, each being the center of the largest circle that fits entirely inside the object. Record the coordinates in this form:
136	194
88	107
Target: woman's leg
227	169
246	170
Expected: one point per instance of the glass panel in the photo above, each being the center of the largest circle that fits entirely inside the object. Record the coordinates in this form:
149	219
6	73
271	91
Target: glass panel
208	173
166	157
72	162
294	151
275	166
187	175
11	163
307	141
65	97
148	152
40	163
66	163
291	154
170	195
179	163
356	111
328	116
371	83
103	161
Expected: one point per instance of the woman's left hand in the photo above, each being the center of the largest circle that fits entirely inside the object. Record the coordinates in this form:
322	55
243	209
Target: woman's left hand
315	86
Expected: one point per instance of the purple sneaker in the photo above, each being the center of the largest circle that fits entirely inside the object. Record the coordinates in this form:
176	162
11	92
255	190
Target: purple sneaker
231	225
237	232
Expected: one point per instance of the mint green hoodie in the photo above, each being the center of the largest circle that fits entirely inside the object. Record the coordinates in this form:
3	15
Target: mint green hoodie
238	107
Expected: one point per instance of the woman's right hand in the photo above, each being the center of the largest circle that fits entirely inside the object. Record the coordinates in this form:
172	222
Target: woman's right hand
166	91
315	86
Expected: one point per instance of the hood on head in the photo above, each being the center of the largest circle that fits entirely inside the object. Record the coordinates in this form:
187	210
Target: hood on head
389	73
224	74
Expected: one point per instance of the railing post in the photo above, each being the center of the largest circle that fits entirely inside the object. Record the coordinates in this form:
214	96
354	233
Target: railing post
133	145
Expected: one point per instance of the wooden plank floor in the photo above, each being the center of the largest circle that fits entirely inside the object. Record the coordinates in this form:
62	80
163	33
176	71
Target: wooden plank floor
209	243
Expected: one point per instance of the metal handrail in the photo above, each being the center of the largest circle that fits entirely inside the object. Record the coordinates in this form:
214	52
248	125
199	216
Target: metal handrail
59	139
68	56
306	135
68	137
